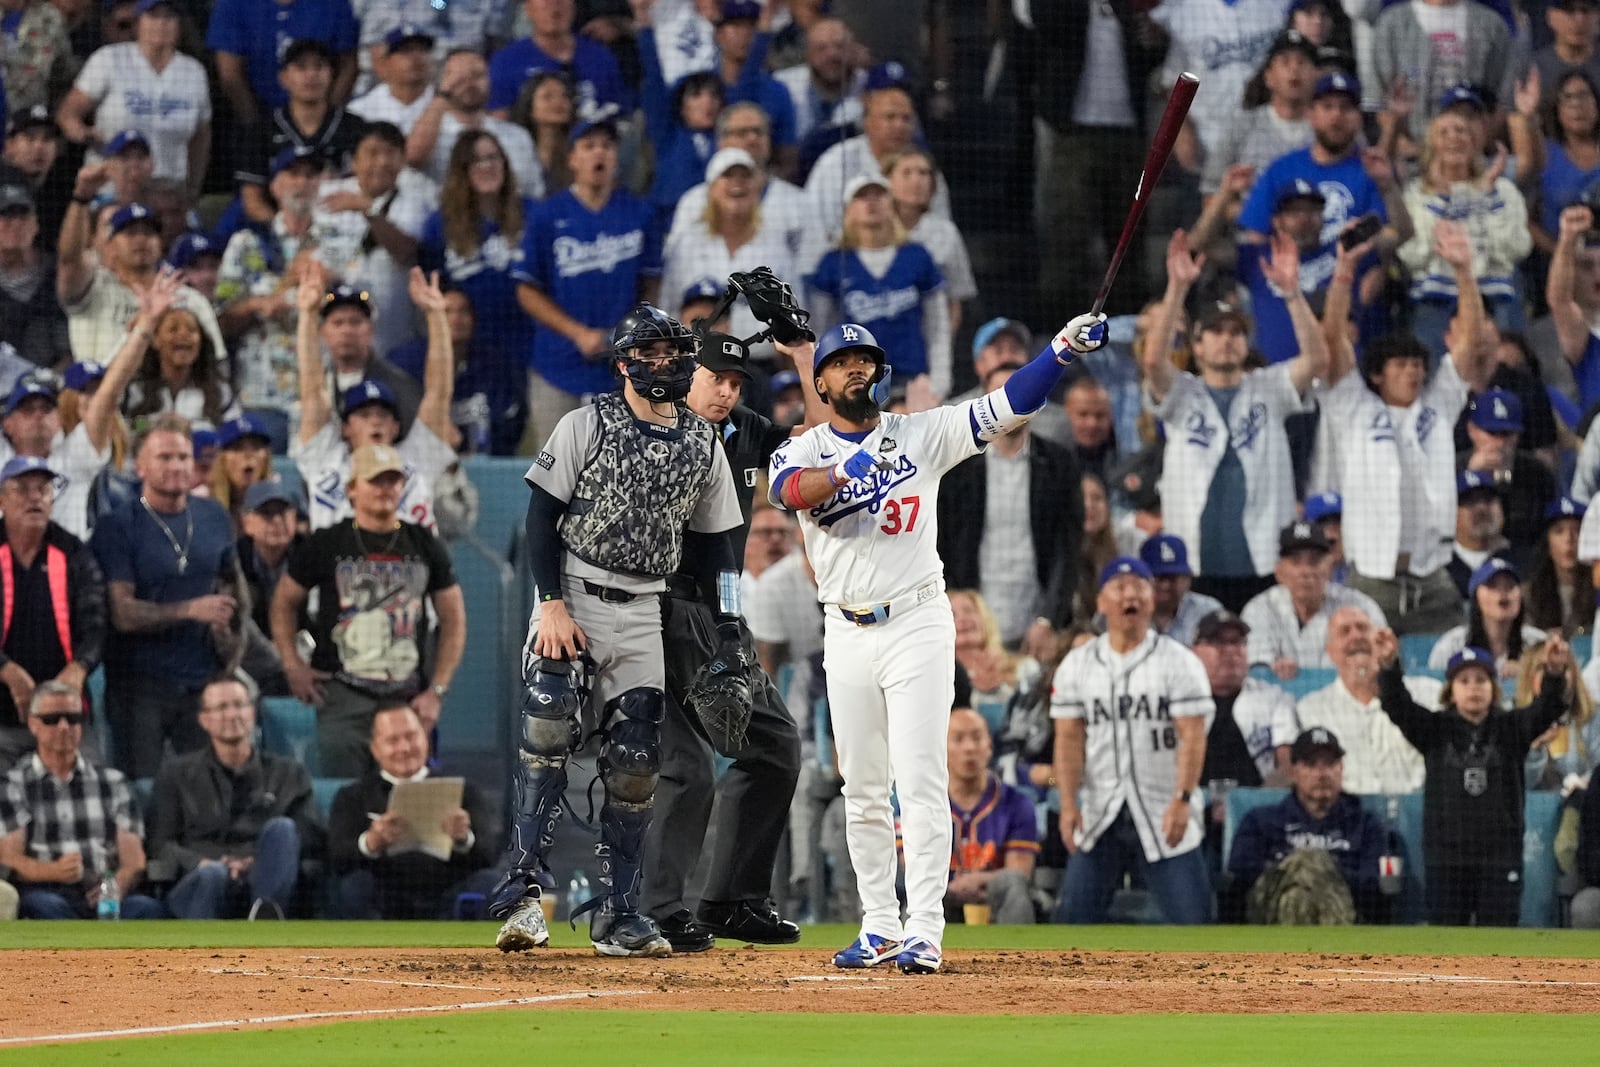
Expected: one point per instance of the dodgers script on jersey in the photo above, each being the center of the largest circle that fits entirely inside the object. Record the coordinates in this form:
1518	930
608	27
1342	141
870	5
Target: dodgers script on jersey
1128	704
876	538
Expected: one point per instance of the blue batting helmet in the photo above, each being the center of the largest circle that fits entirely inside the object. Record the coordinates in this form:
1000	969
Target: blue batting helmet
844	337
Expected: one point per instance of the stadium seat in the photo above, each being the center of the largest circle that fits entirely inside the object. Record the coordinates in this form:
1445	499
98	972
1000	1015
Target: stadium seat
1414	650
289	728
1582	647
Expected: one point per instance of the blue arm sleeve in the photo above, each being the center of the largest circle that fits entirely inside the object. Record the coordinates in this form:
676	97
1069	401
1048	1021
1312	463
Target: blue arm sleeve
1029	387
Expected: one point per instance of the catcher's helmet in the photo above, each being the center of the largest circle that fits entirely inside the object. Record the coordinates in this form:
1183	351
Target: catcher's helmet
843	338
642	327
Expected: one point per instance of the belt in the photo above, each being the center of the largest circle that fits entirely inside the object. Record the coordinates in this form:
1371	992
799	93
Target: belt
876	613
683	587
609	595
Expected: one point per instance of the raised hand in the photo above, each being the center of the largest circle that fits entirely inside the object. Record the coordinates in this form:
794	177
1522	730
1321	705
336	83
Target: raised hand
1451	244
1576	220
1525	98
1183	266
424	291
1282	267
1399	101
1557	655
313	286
159	295
1236	180
1378	167
1085	333
1496	167
1385	647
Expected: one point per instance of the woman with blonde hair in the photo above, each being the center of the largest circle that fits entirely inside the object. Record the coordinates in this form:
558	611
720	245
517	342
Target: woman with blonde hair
1457	184
993	672
1572	745
244	457
881	279
734	235
912	179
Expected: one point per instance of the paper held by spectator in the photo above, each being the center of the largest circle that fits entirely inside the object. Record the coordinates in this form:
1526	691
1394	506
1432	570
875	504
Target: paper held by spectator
423	805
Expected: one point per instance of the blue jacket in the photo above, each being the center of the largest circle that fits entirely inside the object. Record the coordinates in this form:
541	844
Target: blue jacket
1355	837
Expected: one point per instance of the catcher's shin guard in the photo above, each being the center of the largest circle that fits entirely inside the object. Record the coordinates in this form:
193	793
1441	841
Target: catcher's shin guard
629	763
551	728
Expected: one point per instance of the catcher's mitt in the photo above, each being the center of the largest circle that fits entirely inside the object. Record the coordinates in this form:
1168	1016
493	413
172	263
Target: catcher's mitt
720	696
772	302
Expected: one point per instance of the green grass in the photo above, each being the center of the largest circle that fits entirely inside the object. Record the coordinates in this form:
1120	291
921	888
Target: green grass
1388	940
672	1039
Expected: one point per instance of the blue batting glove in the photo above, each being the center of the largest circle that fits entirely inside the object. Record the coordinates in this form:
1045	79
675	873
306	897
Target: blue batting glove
859	465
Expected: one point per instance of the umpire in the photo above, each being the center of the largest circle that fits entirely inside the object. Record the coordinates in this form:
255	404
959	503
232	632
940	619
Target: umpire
755	791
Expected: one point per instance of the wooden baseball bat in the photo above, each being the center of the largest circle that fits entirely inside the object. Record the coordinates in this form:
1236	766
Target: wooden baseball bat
1155	161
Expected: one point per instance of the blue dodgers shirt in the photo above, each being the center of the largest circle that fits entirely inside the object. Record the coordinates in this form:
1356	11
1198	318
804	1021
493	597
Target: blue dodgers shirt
890	306
487	276
260	30
1347	190
591	264
593	68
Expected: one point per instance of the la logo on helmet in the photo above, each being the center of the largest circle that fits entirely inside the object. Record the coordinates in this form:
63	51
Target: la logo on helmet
851	334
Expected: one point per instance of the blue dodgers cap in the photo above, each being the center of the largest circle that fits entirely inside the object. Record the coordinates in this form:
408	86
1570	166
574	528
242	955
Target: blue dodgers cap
985	335
145	5
203	440
1471	656
1564	507
1296	189
1165	554
738	11
260	494
703	288
1324	506
603	119
299	153
1462	94
368	392
1124	565
1474	481
125	140
1337	82
784	379
83	374
1497	411
233	431
1488	571
887	75
133	215
26	389
190	247
404	33
19	465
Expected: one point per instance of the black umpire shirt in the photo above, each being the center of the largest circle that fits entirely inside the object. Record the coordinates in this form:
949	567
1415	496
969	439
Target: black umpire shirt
749	439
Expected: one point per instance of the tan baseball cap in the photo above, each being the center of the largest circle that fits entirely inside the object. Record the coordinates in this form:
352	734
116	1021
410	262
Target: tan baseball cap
369	461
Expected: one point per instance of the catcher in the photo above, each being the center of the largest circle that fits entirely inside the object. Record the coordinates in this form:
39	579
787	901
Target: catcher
721	701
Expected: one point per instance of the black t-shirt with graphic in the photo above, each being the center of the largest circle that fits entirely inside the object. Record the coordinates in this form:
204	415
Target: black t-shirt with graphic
371	621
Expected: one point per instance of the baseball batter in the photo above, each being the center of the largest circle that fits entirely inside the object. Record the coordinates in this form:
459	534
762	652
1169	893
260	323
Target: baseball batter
865	486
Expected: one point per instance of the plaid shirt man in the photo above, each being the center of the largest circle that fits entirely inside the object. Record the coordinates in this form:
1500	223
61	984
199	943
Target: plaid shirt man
83	814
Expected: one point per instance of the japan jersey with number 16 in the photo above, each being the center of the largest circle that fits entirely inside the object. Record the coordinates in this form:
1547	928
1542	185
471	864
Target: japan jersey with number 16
876	538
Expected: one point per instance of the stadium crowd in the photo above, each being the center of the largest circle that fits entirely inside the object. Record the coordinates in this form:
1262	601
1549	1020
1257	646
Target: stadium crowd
1342	444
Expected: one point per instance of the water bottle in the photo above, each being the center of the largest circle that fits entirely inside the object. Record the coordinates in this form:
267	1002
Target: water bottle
109	906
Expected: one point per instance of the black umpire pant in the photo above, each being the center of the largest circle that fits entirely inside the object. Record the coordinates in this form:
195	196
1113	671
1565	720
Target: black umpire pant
754	793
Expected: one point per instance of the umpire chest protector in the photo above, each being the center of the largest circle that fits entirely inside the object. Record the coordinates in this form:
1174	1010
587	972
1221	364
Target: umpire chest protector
637	491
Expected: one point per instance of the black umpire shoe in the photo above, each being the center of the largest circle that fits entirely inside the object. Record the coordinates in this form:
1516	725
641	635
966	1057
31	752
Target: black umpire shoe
684	933
755	921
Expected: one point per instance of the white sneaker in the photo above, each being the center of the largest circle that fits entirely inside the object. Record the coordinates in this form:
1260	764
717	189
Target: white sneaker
525	928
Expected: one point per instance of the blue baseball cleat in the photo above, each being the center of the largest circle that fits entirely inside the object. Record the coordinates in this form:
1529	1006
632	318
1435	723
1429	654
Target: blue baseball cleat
868	950
919	956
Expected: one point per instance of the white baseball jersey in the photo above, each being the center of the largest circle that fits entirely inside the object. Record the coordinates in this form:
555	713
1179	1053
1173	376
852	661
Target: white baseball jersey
876	538
1224	43
1197	439
1266	718
1276	632
324	463
1128	704
1396	469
